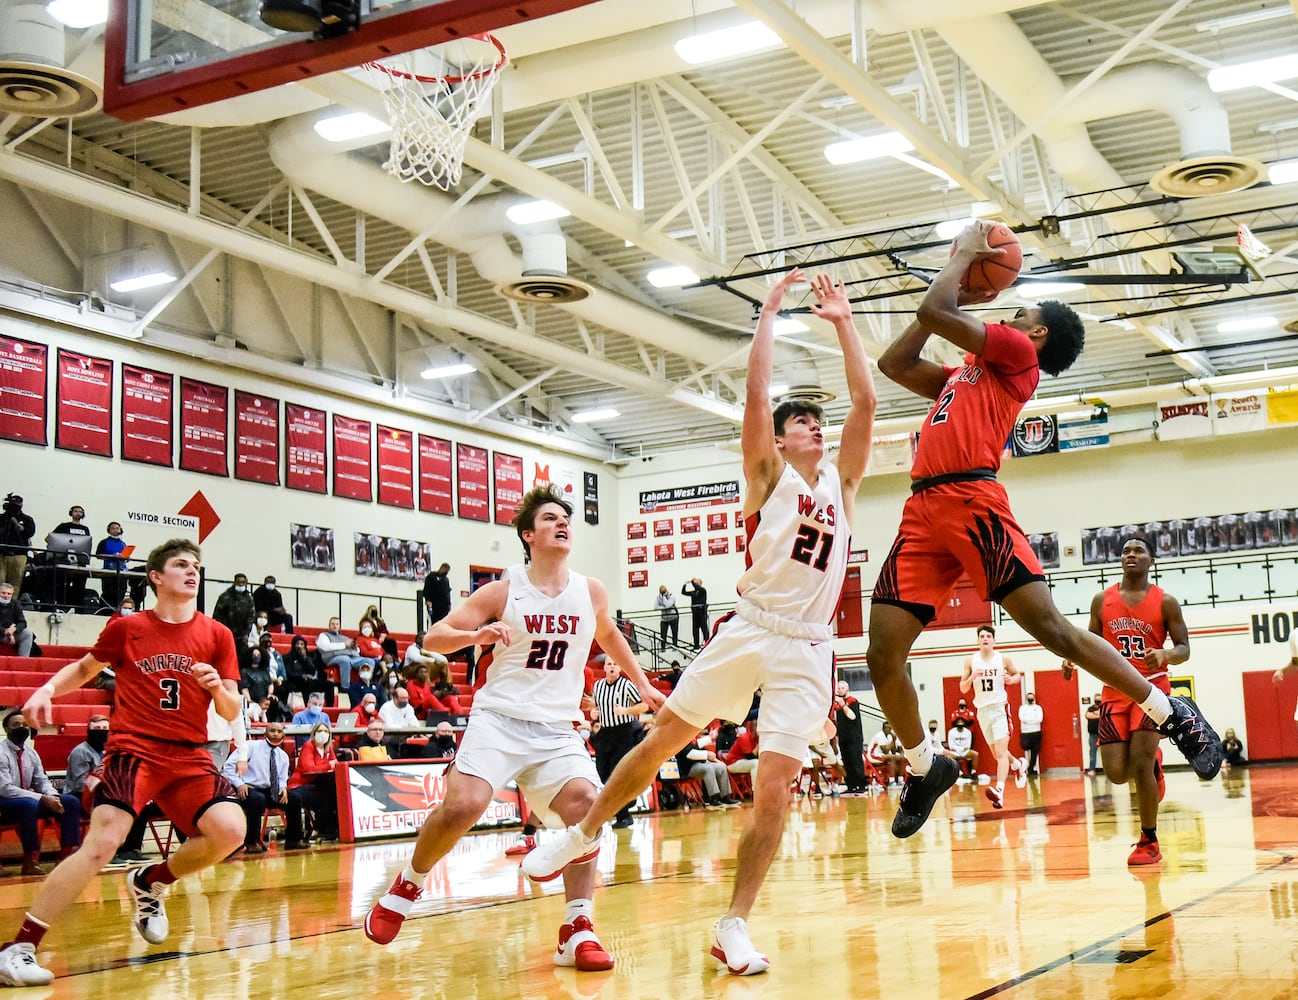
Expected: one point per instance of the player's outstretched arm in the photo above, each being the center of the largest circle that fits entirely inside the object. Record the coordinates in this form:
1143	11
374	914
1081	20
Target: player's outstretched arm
464	625
614	644
38	710
858	427
762	461
903	363
940	311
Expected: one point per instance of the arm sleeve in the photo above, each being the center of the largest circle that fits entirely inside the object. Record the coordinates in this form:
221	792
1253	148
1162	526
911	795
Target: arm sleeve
1010	355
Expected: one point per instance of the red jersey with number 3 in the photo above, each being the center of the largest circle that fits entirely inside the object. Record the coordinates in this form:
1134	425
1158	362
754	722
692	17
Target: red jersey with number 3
975	412
1134	629
157	696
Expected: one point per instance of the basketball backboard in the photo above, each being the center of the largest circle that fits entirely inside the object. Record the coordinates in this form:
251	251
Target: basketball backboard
164	56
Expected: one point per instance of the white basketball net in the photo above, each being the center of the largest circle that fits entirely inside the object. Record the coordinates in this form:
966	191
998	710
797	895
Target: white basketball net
432	113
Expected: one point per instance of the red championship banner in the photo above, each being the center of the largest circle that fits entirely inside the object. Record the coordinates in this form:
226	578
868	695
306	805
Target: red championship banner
718	546
717	520
352	457
636	530
691	548
690	524
471	477
637	578
741	542
83	407
22	390
507	472
146	415
305	453
396	455
739	519
256	438
664	552
637	554
435	475
204	427
664	529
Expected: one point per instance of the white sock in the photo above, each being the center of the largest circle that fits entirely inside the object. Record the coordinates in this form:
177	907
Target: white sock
920	758
1156	706
579	908
592	839
410	874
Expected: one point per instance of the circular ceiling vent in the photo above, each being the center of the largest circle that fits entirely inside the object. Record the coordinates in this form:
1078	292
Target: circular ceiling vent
547	289
1207	175
45	91
807	394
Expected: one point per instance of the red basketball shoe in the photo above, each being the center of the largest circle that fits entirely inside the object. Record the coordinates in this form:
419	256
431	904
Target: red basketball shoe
580	948
1146	852
385	918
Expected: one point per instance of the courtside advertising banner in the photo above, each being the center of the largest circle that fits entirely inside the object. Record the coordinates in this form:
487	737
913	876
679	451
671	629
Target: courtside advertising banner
305	461
1240	413
393	798
1084	429
435	475
83	407
507	473
352	450
204	427
22	390
256	438
471	477
396	455
146	415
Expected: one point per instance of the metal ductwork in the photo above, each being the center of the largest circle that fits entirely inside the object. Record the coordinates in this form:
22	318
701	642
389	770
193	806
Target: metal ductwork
33	79
545	278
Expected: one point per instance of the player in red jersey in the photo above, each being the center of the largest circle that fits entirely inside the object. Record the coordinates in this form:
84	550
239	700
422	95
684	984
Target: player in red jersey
171	663
958	519
1136	617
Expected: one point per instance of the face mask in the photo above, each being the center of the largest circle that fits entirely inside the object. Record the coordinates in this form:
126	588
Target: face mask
365	676
316	709
321	739
19	734
97	738
127	611
269	586
241	588
262	622
584	733
367	631
402	704
4	601
932	729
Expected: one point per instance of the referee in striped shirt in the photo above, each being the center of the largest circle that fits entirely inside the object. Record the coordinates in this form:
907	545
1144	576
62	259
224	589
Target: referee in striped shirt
618	703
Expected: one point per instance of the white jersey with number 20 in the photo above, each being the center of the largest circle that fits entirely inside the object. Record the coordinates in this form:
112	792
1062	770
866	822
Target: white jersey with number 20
540	675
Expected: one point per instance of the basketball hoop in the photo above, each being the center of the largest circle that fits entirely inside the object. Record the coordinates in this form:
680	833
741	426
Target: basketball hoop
1253	250
434	96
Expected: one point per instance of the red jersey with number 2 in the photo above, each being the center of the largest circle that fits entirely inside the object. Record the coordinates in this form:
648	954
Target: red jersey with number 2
1133	629
157	696
975	412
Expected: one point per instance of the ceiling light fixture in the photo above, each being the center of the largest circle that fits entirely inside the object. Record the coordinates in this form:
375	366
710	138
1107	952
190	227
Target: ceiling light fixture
1035	289
138	282
1248	324
869	147
1216	24
727	43
590	416
353	125
527	212
671	277
1253	74
449	370
785	327
79	13
1284	172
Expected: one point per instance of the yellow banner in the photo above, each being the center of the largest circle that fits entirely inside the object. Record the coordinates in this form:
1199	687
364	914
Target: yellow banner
1282	406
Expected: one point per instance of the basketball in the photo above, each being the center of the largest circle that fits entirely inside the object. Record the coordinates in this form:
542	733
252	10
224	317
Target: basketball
995	273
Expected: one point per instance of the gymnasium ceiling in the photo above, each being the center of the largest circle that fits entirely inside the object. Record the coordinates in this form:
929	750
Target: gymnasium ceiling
306	261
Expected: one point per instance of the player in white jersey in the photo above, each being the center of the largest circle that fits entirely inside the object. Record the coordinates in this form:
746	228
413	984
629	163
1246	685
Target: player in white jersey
798	514
541	618
985	674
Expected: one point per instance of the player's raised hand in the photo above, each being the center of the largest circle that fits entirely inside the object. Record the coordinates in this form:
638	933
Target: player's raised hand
973	240
832	303
775	297
207	675
491	634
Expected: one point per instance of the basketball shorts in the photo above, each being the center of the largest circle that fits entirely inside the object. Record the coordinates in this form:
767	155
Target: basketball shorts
541	756
796	677
995	723
1120	716
181	779
949	531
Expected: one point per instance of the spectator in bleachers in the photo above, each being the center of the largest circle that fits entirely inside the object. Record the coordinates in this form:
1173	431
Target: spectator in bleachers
420	689
443	741
367	709
109	551
15	637
338	650
416	654
368	644
27	795
365	686
373	742
741	758
86	756
312	787
236	611
295	664
16	532
126	606
397	712
886	754
392	680
440	677
437	593
263	783
254	676
314	713
315	680
697	760
388	643
673	676
260	627
268	601
273	662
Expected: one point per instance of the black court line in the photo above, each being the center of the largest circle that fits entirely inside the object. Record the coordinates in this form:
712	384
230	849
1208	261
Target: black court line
1081	955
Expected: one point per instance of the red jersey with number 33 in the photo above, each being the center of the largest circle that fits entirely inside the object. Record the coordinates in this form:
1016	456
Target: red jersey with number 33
1134	629
975	412
157	696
